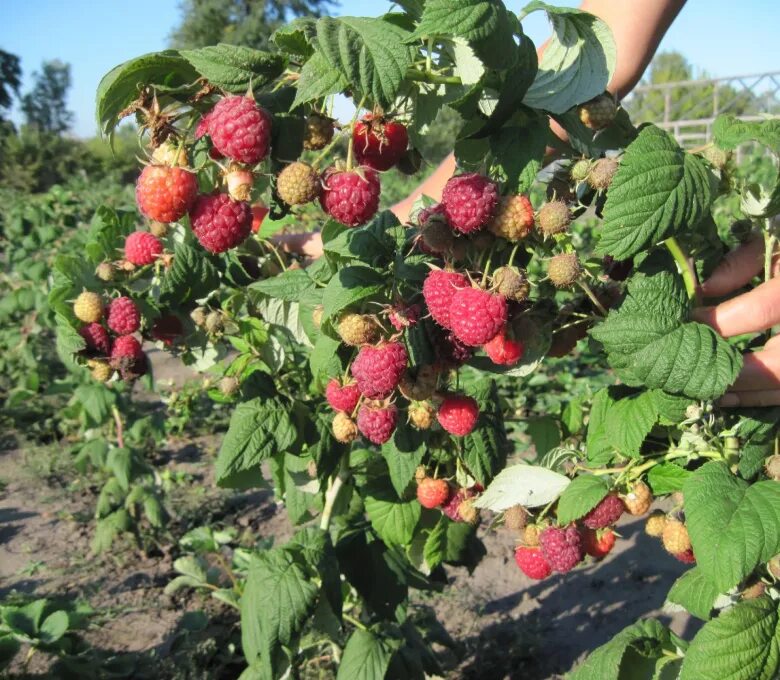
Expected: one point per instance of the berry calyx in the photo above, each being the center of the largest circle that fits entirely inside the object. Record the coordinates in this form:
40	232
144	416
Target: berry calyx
351	197
165	193
503	350
298	183
240	129
342	397
476	315
142	248
377	421
357	329
404	316
561	547
344	429
469	201
598	542
219	222
606	513
553	218
431	493
514	218
88	307
532	562
317	132
563	270
599	112
123	316
379	143
378	370
438	290
458	414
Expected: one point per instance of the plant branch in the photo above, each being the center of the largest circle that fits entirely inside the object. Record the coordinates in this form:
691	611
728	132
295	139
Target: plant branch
120	437
769	252
589	292
422	77
686	269
332	494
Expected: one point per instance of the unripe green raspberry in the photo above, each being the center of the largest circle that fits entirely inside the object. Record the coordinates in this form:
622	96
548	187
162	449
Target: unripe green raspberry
599	112
100	370
105	271
511	283
579	171
421	415
357	329
602	172
88	307
772	467
158	229
228	386
318	132
298	183
715	156
437	236
515	518
214	322
553	218
563	270
467	512
419	387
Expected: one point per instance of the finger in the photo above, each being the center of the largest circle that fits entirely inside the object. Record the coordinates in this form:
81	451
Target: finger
760	371
751	312
754	398
737	268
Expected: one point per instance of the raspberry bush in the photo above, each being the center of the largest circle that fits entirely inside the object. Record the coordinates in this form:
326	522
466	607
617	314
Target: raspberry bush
389	475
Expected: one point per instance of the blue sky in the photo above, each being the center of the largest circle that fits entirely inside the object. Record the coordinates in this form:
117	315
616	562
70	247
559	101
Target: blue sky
716	36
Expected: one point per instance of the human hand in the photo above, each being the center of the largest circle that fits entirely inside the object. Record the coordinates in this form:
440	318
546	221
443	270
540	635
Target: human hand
758	310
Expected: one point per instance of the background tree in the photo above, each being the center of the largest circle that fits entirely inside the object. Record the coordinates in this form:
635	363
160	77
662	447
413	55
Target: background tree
44	107
239	22
10	80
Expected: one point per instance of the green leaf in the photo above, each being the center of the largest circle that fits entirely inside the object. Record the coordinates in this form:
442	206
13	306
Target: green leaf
649	341
403	453
578	62
120	87
324	361
368	52
694	591
54	626
366	656
667	478
318	79
191	276
580	497
296	37
96	400
636	219
288	286
236	68
259	429
629	421
743	643
544	433
278	598
757	430
733	526
599	447
485	448
393	519
522	484
349	286
120	462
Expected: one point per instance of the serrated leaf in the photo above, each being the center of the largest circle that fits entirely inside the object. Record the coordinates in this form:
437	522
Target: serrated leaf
649	341
236	68
629	421
54	626
296	37
544	433
348	286
599	447
392	518
288	286
485	448
526	485
682	191
318	79
743	643
733	526
366	656
577	63
96	400
667	478
694	591
580	497
191	276
403	453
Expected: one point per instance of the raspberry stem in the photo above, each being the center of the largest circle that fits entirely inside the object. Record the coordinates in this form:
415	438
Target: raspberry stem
769	252
332	494
589	292
120	438
679	255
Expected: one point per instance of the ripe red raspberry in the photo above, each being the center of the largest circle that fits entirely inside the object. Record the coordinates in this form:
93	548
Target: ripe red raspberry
561	547
598	543
126	347
351	197
342	397
167	328
450	352
686	557
97	339
503	350
378	370
123	316
476	315
458	414
377	421
142	248
438	289
606	513
164	193
379	143
469	202
532	562
402	317
240	129
431	493
219	222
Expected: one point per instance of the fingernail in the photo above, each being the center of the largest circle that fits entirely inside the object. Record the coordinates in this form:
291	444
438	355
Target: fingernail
729	400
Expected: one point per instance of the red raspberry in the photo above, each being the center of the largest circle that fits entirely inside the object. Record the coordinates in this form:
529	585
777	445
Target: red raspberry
240	129
379	144
377	421
450	352
126	347
378	370
438	289
142	248
167	328
342	397
219	222
476	316
532	562
607	512
561	547
164	193
469	202
452	507
402	317
503	350
123	316
352	198
432	492
97	338
598	543
458	414
686	557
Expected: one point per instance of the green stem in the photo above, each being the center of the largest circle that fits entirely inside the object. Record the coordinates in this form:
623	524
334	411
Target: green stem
353	621
423	77
596	302
513	253
769	251
486	268
686	270
429	55
332	494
